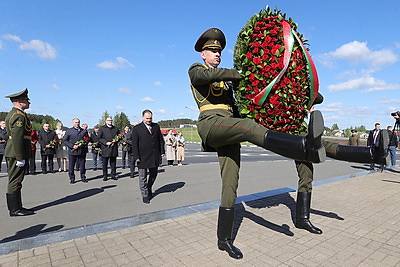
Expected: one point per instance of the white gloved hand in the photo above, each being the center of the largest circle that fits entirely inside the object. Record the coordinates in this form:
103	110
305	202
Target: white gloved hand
20	163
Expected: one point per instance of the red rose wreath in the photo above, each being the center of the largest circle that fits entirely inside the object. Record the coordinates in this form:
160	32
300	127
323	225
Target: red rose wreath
280	81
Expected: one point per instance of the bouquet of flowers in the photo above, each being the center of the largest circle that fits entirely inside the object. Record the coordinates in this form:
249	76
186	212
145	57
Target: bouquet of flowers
280	81
96	146
117	138
83	142
52	144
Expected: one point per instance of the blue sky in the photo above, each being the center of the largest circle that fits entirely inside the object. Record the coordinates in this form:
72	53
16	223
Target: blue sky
81	58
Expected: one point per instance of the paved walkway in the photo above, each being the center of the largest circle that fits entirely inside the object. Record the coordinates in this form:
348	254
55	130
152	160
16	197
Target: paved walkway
360	218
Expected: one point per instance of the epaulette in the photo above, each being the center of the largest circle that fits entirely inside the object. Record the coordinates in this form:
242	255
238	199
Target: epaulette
20	112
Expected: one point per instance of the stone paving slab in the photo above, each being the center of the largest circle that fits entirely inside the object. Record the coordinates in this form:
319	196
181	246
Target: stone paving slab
360	218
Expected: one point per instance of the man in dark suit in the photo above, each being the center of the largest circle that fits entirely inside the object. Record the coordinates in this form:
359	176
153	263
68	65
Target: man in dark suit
109	148
17	152
128	145
96	150
147	148
373	139
76	139
47	140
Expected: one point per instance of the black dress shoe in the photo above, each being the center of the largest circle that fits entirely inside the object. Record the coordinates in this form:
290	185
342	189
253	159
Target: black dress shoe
233	251
307	225
44	172
95	169
114	177
146	200
132	175
21	213
105	178
84	180
71	181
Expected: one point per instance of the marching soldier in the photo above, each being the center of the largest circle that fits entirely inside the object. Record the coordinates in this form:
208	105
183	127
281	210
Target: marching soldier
18	151
221	131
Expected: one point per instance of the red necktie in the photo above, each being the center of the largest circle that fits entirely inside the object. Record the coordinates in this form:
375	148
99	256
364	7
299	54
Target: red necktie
375	135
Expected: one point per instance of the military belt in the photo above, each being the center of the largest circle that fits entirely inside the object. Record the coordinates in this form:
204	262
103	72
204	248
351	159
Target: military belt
25	137
215	106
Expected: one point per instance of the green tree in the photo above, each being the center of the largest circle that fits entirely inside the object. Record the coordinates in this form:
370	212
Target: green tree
334	127
362	129
121	120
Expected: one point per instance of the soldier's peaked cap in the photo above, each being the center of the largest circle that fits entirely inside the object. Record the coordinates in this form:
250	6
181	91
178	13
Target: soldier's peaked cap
212	38
21	95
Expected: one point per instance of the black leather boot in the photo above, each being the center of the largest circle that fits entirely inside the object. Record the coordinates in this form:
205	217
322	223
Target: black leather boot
15	207
19	200
359	154
303	148
303	213
226	217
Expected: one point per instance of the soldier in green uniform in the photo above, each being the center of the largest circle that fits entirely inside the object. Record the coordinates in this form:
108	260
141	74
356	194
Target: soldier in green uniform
222	132
17	151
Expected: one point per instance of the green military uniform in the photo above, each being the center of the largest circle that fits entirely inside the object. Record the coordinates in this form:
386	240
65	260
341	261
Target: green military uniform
219	130
18	149
19	128
217	126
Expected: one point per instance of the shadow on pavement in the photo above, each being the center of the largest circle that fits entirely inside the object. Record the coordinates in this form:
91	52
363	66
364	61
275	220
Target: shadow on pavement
31	231
74	197
281	199
169	188
390	181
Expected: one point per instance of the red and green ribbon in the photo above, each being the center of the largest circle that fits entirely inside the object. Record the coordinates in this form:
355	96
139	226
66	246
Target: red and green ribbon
288	41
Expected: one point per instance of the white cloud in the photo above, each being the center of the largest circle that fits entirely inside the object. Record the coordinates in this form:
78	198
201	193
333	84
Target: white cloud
54	87
125	90
42	49
389	101
1	45
119	63
338	110
358	52
160	111
157	83
366	82
119	108
12	37
147	99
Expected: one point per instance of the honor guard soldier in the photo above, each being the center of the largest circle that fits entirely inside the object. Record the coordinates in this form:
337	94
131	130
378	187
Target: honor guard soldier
18	151
221	131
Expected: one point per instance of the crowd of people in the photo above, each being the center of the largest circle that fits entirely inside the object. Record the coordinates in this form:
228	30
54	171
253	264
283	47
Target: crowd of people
54	149
18	143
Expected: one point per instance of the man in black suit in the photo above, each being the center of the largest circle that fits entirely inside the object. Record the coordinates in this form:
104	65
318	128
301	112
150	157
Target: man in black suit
373	139
128	145
96	152
109	148
76	139
48	140
147	149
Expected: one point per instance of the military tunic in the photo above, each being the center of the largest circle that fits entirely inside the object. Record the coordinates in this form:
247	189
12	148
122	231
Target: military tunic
217	126
18	147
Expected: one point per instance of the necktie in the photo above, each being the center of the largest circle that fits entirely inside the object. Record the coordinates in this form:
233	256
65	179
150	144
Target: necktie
375	135
150	129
